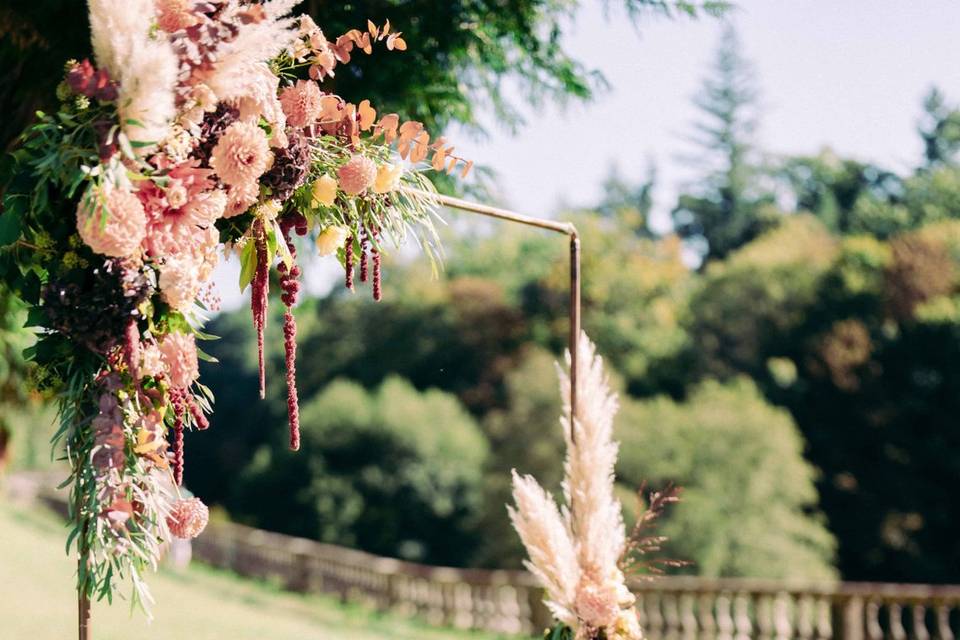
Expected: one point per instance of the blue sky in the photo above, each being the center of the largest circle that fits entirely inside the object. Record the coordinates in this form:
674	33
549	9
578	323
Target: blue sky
845	73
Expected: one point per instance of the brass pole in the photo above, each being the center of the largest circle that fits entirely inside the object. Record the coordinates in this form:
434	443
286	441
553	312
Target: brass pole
566	228
83	609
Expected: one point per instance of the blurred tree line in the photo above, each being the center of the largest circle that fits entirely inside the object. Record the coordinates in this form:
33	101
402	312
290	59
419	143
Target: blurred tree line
800	384
798	381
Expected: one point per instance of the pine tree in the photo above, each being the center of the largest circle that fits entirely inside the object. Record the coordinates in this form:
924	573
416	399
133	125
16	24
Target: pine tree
727	212
940	130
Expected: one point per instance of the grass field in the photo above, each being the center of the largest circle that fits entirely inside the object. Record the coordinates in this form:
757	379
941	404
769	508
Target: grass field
37	602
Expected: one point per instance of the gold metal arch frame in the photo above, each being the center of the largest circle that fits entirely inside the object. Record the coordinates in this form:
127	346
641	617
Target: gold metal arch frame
566	228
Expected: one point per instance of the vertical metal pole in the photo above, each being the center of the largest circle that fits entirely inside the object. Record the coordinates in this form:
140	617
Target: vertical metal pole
83	610
574	326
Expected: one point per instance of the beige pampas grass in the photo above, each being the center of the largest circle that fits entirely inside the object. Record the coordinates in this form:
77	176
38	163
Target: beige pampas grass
575	551
143	65
595	514
553	557
239	60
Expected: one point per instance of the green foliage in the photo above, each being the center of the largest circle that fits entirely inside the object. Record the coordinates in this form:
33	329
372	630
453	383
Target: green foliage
395	471
733	207
525	436
744	305
940	130
747	491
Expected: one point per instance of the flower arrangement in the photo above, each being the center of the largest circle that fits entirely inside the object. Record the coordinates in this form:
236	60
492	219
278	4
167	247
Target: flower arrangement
199	129
581	553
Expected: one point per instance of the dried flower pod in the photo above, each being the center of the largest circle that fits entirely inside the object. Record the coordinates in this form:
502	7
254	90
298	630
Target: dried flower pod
188	518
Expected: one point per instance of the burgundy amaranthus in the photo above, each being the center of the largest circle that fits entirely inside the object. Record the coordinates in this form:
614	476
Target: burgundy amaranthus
377	289
363	255
291	289
260	287
348	263
178	403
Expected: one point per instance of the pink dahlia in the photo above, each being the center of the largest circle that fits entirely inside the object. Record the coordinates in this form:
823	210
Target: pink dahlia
179	353
357	175
179	282
174	15
188	518
242	154
302	103
113	226
240	198
204	209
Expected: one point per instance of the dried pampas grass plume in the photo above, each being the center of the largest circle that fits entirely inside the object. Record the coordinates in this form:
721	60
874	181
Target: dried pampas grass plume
144	66
595	514
238	60
553	557
575	551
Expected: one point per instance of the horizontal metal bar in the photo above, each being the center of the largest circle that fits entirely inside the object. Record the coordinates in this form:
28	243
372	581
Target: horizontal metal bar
495	212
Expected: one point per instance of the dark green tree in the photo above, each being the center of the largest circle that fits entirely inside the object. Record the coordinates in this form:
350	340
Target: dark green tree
940	130
395	472
731	208
749	504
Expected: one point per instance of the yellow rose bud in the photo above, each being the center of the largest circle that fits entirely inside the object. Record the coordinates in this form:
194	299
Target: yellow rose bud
331	239
324	191
388	178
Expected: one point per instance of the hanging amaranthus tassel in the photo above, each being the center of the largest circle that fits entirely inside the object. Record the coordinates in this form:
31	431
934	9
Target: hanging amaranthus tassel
377	289
199	419
293	402
348	263
259	289
131	350
363	255
179	408
291	289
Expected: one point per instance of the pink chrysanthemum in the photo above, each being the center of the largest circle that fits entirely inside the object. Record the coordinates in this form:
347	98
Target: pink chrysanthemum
179	353
188	518
179	282
357	175
242	154
302	103
240	198
116	231
174	15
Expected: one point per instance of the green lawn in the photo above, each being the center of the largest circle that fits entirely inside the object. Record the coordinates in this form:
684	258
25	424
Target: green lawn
37	602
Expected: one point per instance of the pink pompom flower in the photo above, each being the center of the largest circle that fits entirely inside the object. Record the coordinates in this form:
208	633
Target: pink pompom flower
302	103
112	223
241	155
188	518
179	354
357	175
174	15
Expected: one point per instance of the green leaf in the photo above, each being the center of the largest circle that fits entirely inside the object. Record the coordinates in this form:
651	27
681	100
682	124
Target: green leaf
206	357
248	264
9	227
36	317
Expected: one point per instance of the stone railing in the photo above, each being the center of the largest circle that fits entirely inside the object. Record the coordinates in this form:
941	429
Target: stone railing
740	609
509	602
